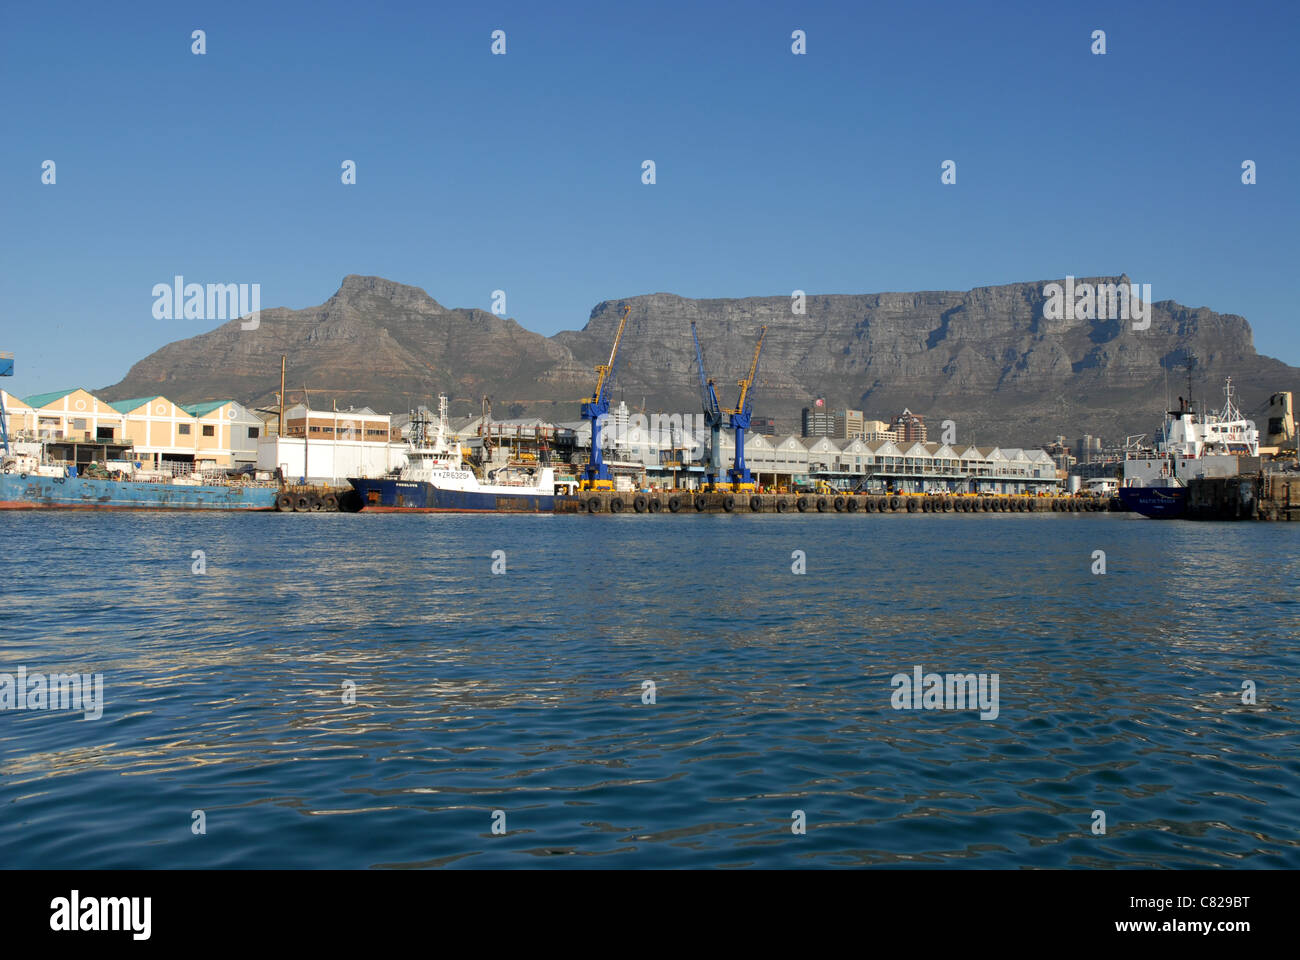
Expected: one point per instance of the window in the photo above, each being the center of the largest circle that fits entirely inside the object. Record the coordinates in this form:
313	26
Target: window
209	431
183	429
78	424
103	433
254	433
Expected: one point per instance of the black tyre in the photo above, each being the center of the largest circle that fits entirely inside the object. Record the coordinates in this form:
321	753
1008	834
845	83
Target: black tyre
284	502
616	505
593	505
912	505
728	503
302	503
839	504
801	504
654	506
330	502
315	505
821	504
674	504
895	503
639	503
851	505
700	504
755	504
782	505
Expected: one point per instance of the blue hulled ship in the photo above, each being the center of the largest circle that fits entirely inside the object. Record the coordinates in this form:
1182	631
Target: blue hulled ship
435	479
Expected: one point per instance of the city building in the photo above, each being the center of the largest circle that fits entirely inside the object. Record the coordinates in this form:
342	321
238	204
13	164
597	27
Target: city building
817	421
909	427
848	424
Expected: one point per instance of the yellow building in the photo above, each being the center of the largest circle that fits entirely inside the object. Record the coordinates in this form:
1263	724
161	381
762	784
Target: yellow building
75	415
217	433
20	418
227	430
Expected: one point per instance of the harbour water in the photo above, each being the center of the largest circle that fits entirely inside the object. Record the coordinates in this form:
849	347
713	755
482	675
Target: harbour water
522	691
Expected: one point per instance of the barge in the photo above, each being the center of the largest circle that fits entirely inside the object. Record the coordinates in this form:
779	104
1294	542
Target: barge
40	491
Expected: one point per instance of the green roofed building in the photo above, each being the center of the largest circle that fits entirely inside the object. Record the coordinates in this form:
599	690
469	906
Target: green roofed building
36	401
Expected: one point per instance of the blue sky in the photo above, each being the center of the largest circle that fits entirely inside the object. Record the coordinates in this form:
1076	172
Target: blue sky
522	172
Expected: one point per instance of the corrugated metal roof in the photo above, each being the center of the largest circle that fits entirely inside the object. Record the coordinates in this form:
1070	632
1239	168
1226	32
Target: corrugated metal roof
126	406
203	409
41	399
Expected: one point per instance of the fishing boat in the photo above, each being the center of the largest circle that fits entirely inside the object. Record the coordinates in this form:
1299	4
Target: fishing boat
1189	445
435	478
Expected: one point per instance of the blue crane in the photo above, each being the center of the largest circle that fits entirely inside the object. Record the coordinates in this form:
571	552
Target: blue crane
6	370
739	476
712	412
596	476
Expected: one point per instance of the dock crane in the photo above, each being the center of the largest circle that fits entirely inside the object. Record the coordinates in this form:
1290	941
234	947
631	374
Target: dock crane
739	476
596	476
6	370
712	412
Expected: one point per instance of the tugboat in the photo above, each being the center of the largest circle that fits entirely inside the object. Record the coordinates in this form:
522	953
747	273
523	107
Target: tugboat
435	479
1188	446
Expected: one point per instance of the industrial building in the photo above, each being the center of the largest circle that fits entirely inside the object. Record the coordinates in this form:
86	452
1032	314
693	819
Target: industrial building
77	426
329	446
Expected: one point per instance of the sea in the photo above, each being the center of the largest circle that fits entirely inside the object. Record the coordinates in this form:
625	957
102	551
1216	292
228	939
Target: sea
448	691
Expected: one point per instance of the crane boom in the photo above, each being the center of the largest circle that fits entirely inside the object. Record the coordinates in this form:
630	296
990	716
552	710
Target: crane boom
739	475
596	475
708	395
712	413
742	404
605	371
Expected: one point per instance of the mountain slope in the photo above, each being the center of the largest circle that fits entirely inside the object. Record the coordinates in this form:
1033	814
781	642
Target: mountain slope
985	358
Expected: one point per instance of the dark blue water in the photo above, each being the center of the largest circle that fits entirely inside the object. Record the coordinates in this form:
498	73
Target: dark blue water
522	692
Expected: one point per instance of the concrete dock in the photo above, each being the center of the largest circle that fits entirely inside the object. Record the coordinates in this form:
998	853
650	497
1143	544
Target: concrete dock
607	502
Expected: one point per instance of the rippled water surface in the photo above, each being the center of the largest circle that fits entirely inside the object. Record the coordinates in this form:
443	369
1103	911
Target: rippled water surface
522	692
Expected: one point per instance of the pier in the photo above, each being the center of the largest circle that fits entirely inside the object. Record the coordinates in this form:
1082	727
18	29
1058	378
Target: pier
607	502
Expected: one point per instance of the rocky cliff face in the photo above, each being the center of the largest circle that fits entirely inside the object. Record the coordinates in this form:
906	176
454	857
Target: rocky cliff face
985	358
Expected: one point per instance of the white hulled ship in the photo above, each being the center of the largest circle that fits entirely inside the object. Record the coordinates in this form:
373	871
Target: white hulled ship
1189	445
436	479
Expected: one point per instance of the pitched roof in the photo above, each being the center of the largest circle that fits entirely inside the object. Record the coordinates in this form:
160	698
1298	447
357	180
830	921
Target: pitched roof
204	408
126	406
41	399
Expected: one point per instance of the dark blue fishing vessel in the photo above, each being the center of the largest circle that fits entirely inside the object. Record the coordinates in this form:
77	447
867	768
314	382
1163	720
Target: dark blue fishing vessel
1161	503
436	480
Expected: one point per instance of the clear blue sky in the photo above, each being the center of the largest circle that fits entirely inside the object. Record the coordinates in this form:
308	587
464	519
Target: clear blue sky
523	172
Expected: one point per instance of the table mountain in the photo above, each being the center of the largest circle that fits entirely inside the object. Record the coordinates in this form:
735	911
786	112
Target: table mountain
985	358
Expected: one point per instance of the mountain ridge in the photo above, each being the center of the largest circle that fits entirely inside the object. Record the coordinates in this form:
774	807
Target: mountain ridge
986	358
